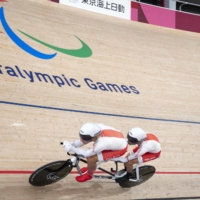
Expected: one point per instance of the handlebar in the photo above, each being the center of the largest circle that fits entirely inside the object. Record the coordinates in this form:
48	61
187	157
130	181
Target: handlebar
71	154
79	158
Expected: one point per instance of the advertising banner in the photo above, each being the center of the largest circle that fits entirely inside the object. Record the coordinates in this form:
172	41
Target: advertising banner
116	8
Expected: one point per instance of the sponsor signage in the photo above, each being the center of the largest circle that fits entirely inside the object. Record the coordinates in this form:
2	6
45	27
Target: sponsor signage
116	8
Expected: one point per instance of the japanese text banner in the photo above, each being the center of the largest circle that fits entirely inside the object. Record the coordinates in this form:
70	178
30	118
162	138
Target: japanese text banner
116	8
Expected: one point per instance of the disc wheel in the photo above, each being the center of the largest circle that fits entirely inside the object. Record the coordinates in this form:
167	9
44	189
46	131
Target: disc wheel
50	173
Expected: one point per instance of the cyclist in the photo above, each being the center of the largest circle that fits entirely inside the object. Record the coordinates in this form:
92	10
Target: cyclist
108	143
148	148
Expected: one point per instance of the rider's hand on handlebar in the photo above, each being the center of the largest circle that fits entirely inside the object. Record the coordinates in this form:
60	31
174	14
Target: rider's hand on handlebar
67	145
65	142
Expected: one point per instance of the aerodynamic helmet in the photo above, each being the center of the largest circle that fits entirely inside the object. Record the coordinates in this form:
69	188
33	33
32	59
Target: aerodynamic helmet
88	131
136	135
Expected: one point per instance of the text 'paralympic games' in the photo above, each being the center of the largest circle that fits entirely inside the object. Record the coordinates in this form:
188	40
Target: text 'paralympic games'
62	81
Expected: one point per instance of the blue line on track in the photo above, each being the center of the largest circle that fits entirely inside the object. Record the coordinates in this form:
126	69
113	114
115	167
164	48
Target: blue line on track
97	113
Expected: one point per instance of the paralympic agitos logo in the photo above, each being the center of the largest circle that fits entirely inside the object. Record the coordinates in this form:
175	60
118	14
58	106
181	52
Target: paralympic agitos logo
83	52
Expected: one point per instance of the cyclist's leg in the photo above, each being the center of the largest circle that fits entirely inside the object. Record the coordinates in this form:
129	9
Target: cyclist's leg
150	156
129	165
92	162
141	159
109	154
101	157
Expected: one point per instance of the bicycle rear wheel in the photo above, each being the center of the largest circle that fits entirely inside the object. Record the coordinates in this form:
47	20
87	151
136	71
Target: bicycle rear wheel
50	173
146	172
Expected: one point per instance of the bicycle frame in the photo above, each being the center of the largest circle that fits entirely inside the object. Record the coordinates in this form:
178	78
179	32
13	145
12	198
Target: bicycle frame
57	170
76	159
137	174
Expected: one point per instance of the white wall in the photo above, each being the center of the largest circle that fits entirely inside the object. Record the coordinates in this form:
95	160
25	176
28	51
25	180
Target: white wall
170	4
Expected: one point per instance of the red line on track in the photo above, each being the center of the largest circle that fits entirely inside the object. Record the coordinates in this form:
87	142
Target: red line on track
15	172
97	172
177	172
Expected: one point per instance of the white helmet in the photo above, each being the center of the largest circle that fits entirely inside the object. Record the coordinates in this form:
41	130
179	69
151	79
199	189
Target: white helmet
88	131
136	135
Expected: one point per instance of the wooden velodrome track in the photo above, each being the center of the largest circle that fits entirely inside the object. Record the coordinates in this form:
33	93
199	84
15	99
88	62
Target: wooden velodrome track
162	64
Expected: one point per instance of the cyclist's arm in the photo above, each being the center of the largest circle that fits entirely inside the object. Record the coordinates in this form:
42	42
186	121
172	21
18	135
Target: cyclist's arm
120	159
141	151
148	146
77	143
131	156
82	152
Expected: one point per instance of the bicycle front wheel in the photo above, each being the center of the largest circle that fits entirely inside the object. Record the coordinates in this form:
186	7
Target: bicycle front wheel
50	173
